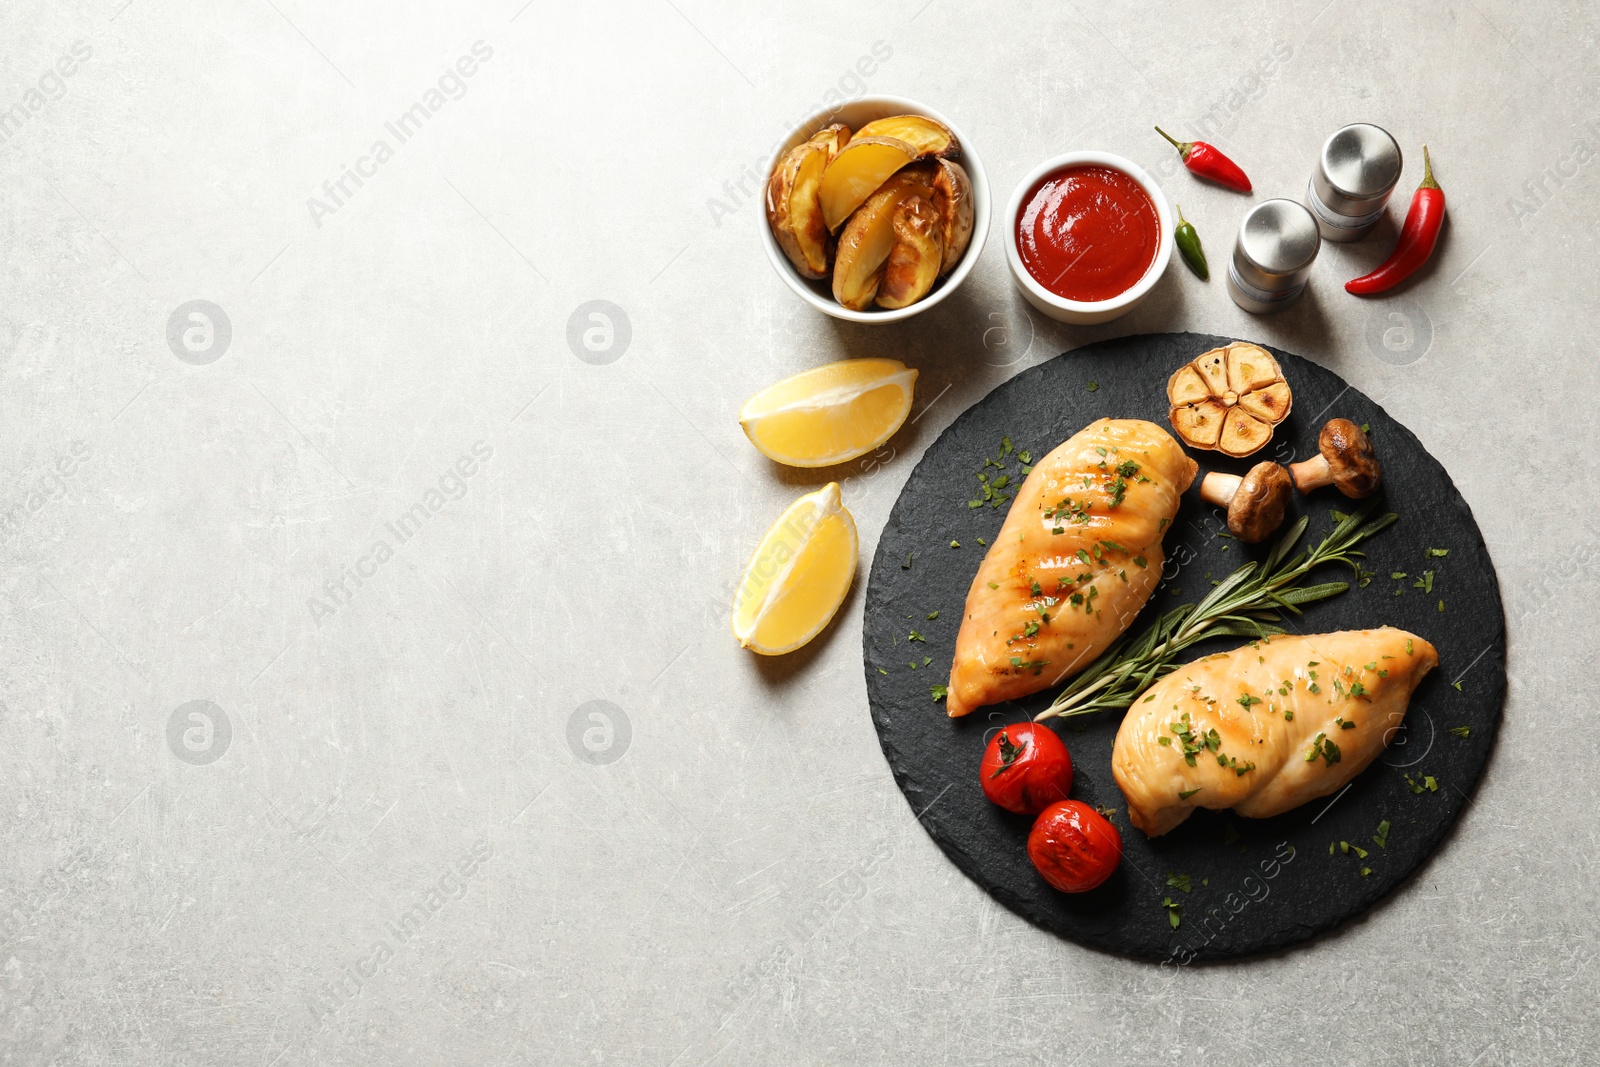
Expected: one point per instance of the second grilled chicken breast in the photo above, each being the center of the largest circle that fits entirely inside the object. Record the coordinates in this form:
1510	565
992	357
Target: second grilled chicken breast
1266	727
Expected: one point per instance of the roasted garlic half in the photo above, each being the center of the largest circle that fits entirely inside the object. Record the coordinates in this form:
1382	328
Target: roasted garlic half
1228	399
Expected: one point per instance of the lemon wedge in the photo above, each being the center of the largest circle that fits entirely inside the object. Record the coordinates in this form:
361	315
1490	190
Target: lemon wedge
798	576
830	414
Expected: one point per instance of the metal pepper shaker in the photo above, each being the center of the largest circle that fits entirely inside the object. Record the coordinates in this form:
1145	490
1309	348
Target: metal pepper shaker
1272	256
1351	183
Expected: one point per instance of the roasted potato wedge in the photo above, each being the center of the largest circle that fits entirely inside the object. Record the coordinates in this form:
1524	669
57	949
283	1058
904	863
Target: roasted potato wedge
916	256
928	136
833	138
868	237
952	200
857	172
794	208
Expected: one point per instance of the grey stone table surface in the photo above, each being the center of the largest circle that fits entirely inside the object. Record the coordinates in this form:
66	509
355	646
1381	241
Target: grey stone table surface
368	695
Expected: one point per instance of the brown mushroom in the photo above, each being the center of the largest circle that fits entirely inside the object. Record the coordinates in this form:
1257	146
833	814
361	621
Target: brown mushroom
1345	459
1255	503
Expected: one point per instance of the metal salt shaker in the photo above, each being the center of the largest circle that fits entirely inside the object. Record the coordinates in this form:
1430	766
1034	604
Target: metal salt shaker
1351	183
1272	257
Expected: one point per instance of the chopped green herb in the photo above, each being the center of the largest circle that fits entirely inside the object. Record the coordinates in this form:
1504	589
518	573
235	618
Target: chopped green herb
1382	836
1174	911
914	636
932	615
1441	607
1461	731
1322	746
1245	700
907	564
955	544
1185	794
1181	882
993	585
1431	783
1093	387
1456	685
1365	871
1439	553
939	691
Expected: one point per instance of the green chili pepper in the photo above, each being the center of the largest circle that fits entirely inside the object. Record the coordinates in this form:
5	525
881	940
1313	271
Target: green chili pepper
1189	245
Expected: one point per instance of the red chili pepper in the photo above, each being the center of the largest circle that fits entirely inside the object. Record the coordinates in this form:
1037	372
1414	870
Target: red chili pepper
1417	237
1206	161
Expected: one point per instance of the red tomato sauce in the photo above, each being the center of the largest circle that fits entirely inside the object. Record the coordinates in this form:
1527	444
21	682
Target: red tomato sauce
1088	233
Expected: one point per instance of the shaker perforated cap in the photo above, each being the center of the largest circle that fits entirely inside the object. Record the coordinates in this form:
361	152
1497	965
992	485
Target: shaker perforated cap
1277	244
1357	170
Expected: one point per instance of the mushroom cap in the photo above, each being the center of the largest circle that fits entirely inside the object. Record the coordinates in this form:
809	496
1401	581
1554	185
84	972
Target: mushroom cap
1351	460
1259	503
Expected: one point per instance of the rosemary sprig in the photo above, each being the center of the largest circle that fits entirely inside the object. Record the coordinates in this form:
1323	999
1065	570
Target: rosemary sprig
1248	604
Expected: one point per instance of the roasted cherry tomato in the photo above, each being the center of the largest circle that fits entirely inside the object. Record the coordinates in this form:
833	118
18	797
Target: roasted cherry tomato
1026	768
1074	847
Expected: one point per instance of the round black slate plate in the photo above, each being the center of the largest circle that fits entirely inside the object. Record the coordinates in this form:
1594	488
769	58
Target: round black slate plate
1255	885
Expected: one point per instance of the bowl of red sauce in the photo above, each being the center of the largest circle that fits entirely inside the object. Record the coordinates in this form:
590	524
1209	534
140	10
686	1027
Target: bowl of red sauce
1088	234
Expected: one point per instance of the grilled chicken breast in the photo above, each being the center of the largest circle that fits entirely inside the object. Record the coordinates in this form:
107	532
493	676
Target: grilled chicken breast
1266	727
1077	557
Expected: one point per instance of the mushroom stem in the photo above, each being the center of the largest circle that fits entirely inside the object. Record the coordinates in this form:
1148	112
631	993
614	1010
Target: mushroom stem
1313	473
1218	488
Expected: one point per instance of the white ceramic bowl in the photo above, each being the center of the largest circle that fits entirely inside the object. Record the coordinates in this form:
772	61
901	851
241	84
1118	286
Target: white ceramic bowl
856	114
1087	312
